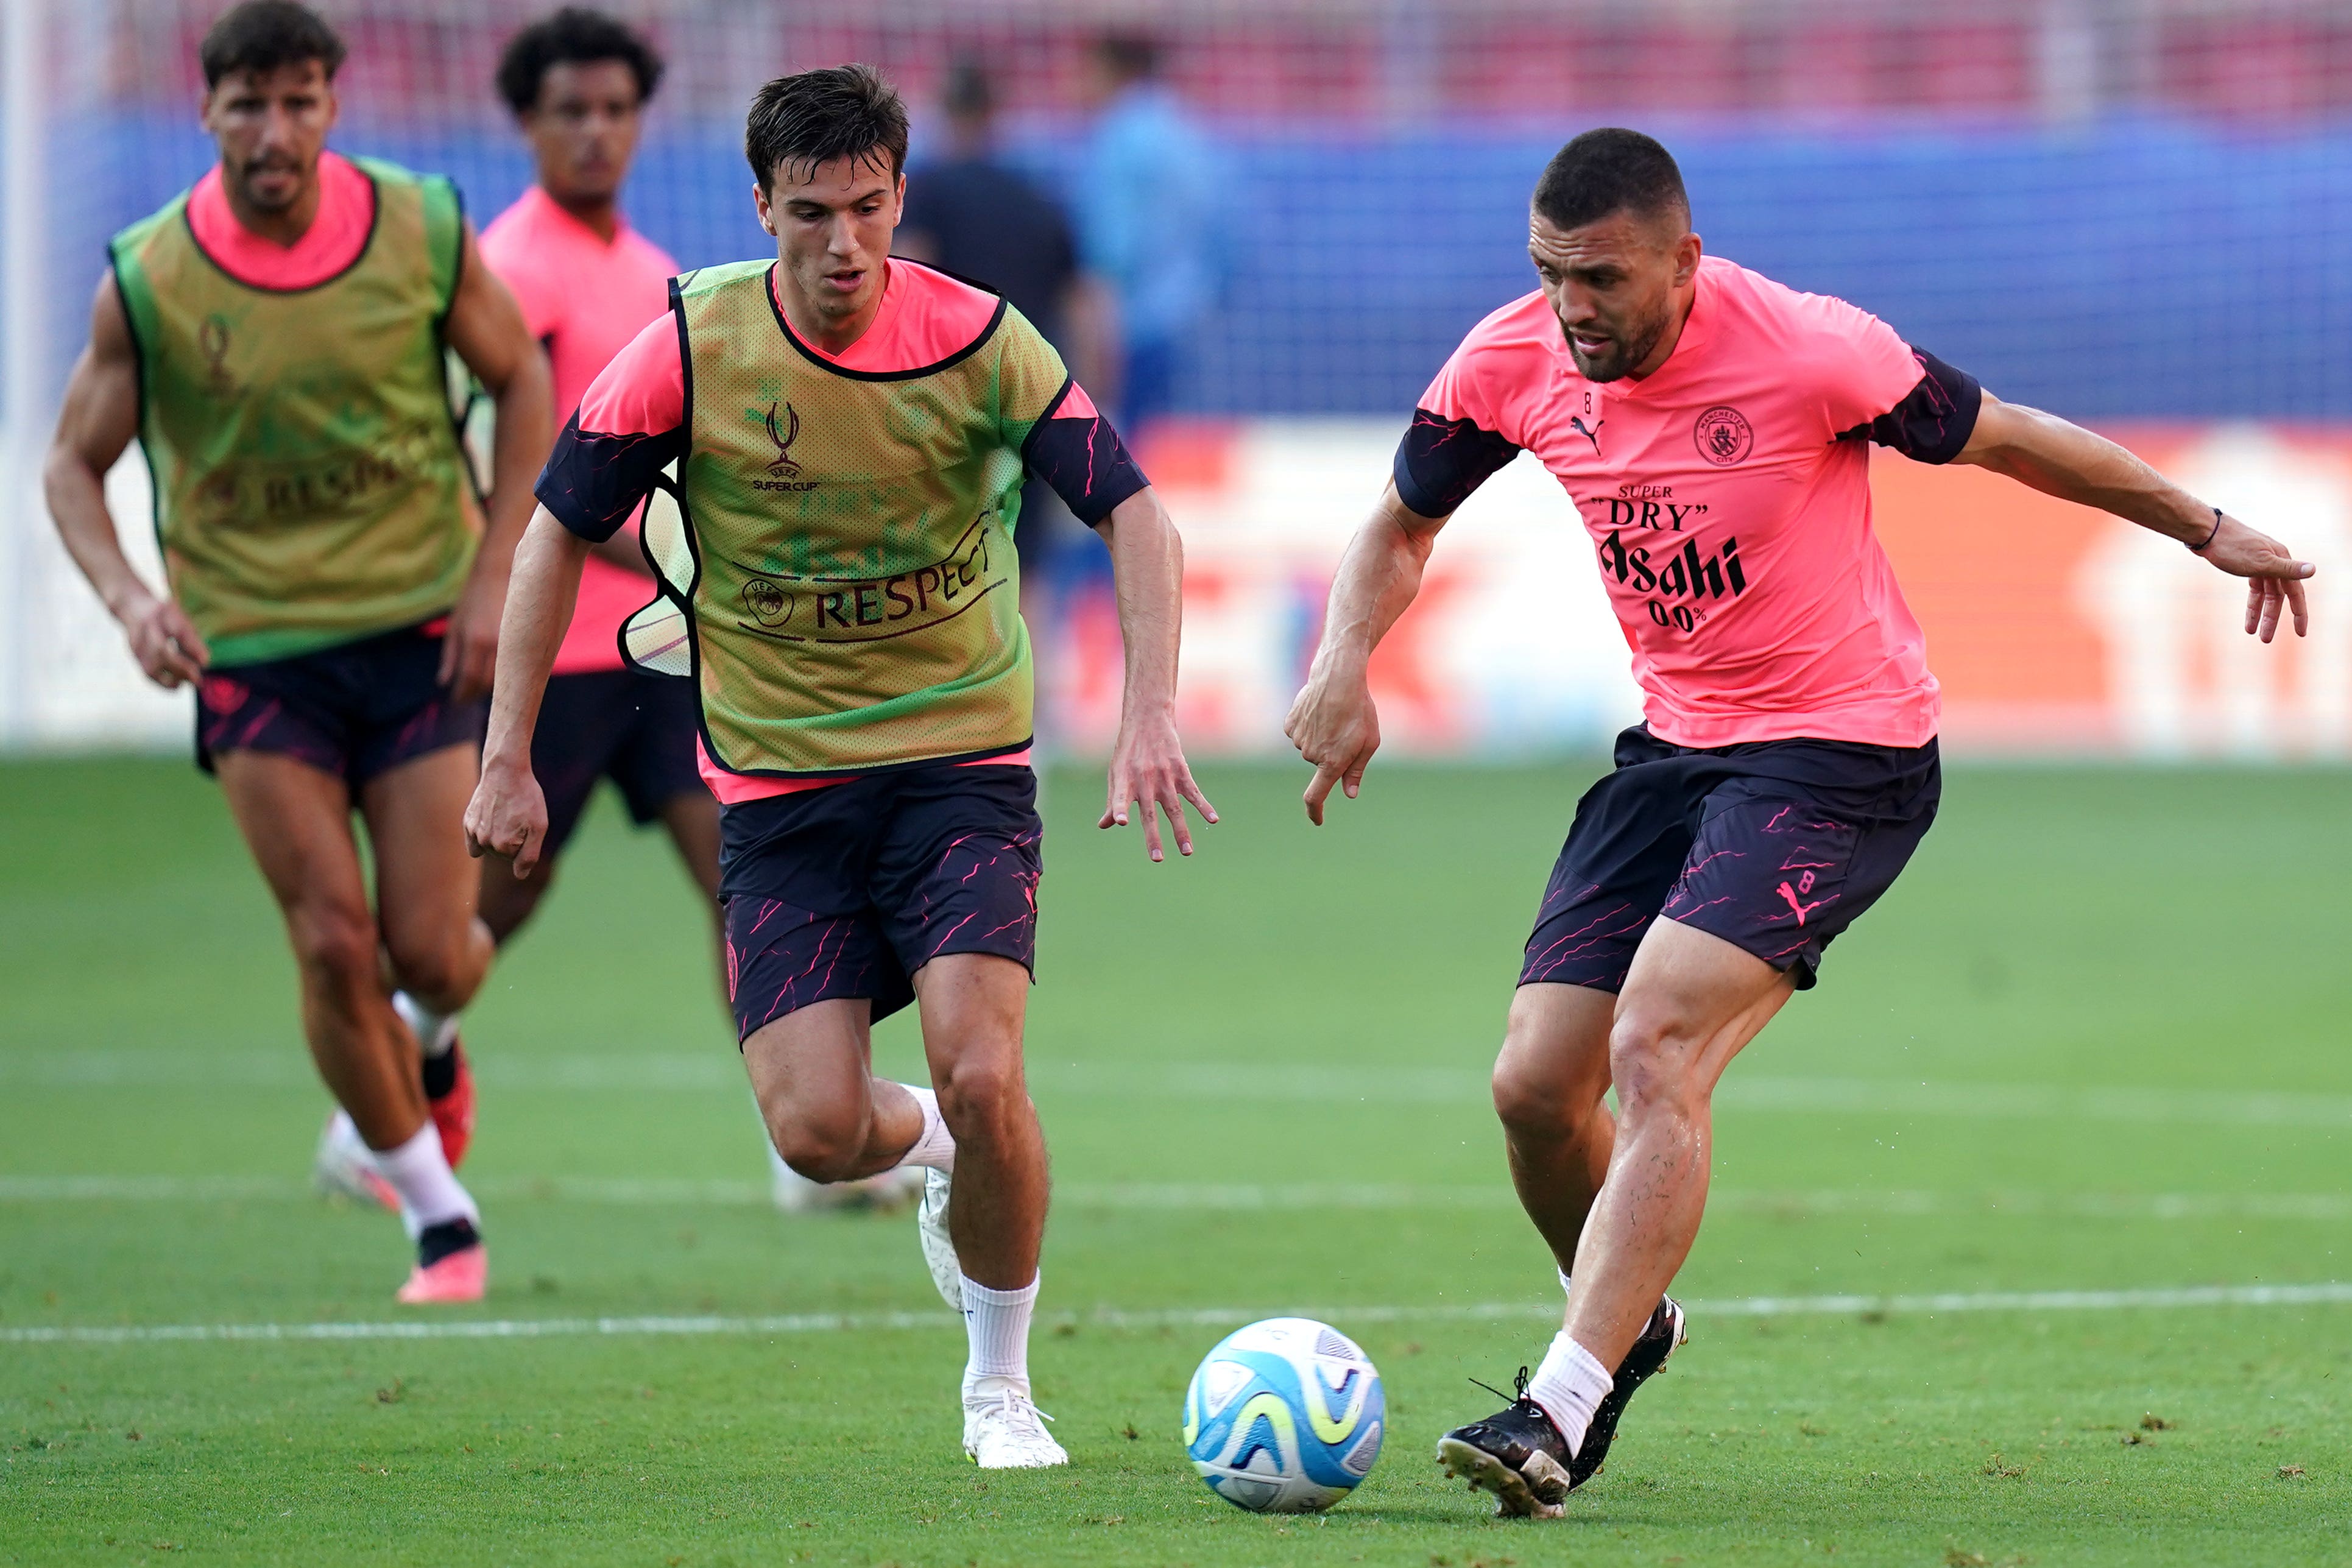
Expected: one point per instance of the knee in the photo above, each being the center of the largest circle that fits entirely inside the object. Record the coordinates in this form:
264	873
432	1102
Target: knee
1530	1102
821	1146
980	1093
335	944
1654	1061
434	962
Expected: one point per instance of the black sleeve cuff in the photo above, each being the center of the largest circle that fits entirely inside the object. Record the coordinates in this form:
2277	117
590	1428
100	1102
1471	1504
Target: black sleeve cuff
1087	464
1441	462
1934	420
594	483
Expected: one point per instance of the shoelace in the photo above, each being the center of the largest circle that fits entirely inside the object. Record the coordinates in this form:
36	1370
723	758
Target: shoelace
1519	1386
1020	1414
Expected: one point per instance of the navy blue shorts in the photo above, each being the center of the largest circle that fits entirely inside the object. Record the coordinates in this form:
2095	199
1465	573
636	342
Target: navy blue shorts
636	730
356	710
1776	847
849	889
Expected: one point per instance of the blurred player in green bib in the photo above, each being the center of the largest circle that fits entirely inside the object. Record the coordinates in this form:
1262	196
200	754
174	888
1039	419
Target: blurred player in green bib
274	337
850	434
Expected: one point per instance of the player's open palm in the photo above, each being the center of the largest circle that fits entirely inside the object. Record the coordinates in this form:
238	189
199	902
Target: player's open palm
1336	727
2274	585
166	644
507	817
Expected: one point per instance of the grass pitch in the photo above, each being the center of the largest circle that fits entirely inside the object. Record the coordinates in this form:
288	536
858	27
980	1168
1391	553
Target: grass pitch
2094	1041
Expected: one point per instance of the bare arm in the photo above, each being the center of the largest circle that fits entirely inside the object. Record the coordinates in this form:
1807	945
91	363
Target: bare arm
487	329
1333	722
1148	766
2064	460
507	815
623	549
99	417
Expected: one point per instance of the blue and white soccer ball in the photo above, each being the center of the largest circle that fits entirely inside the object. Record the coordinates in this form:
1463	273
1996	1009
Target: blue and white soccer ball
1284	1416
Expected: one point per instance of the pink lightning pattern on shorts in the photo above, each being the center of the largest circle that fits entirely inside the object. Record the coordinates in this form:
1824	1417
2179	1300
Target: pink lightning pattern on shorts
984	855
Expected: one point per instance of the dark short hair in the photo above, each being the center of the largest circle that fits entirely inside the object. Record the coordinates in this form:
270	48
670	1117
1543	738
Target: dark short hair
1134	55
841	112
1610	171
262	35
572	36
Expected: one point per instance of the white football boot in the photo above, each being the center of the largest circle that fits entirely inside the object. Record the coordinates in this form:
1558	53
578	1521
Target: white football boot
343	1166
1004	1430
939	1252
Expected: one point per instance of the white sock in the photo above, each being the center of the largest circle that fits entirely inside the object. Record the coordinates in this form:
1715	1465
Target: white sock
1569	1385
429	1191
435	1032
934	1145
1567	1286
997	1322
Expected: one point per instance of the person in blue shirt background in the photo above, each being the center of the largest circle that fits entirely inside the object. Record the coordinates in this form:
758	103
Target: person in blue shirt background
1143	194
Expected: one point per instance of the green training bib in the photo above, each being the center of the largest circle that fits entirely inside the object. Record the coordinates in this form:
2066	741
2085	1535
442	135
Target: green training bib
845	592
310	487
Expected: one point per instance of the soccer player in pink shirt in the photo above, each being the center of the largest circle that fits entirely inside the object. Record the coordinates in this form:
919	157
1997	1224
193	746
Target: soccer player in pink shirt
578	82
1712	429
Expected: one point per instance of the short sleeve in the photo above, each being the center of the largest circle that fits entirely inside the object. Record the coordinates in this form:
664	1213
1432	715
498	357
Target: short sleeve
1935	417
1455	442
1075	449
1859	367
630	426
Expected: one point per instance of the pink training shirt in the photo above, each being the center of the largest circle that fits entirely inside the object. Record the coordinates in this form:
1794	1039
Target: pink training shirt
583	296
638	401
1727	497
334	241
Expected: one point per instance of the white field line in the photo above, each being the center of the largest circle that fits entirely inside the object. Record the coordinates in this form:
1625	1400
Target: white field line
674	1071
2330	1294
2324	1207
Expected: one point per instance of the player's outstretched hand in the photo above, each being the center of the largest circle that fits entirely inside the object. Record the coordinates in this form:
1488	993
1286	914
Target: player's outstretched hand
1148	769
2275	576
1336	726
165	643
507	817
469	649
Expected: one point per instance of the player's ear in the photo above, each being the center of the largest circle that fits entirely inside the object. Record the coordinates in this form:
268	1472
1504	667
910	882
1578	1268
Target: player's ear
1688	251
760	200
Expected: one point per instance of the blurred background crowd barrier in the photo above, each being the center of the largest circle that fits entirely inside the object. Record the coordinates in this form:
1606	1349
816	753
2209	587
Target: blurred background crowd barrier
2136	213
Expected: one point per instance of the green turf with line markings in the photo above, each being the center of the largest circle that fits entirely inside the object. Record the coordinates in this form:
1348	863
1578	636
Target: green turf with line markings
2092	1042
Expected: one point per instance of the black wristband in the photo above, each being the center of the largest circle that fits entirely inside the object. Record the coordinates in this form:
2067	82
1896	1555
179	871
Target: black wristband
2199	549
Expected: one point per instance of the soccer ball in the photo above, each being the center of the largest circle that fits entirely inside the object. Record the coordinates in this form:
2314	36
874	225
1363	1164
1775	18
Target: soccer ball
1284	1416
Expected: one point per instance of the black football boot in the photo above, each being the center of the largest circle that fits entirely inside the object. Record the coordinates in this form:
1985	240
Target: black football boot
1659	1336
1517	1454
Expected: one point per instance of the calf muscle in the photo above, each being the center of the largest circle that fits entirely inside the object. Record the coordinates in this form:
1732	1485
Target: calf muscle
1690	1004
1548	1085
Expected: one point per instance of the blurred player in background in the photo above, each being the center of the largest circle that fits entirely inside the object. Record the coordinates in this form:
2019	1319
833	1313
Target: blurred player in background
974	214
853	431
578	82
1712	429
1145	224
274	338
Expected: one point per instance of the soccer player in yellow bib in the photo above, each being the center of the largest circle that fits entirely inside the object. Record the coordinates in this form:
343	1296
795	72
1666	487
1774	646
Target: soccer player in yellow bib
274	338
850	434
